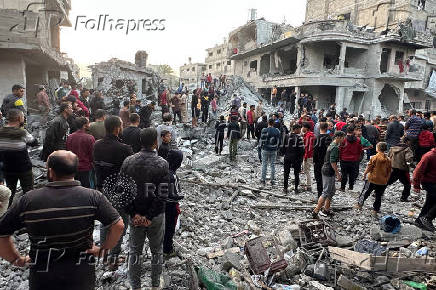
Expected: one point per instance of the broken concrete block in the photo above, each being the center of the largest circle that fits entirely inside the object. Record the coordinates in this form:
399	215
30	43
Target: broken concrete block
228	243
253	227
407	232
317	285
204	251
231	260
347	284
286	240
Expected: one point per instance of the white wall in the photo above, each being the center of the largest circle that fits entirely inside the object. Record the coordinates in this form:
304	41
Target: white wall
13	71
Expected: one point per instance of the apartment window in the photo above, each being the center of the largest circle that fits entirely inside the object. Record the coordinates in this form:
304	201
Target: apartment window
416	105
218	65
210	53
399	56
229	62
203	68
187	69
100	80
421	4
210	66
193	69
427	105
218	51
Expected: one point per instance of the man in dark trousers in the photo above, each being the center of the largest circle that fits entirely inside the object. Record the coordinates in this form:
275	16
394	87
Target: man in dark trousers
320	148
220	126
130	135
109	155
151	175
14	140
425	175
293	149
59	219
259	127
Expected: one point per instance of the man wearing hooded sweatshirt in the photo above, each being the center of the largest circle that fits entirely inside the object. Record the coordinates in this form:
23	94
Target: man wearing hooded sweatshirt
350	152
401	157
172	207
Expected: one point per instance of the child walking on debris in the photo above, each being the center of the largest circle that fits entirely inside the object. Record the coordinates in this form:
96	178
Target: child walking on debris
329	171
401	157
379	170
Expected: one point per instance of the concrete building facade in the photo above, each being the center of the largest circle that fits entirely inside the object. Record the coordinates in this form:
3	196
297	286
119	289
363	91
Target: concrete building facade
117	79
30	46
218	61
336	62
190	74
377	14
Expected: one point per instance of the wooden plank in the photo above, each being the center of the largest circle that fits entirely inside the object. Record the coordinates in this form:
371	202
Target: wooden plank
351	257
381	263
399	264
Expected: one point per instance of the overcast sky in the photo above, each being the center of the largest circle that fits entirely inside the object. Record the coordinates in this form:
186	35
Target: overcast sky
191	26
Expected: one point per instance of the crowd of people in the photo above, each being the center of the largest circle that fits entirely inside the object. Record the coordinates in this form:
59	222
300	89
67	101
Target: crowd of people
87	147
332	145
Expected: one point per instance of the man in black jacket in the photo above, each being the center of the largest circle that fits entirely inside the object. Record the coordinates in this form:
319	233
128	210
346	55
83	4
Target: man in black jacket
130	134
258	132
56	134
13	153
220	126
293	149
394	132
319	150
145	114
109	154
151	175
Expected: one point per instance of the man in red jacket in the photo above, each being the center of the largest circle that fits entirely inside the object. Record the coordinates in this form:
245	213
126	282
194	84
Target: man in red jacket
82	144
251	119
309	139
425	174
350	152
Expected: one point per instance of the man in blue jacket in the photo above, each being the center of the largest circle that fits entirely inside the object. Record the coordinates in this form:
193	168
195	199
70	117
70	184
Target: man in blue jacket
270	138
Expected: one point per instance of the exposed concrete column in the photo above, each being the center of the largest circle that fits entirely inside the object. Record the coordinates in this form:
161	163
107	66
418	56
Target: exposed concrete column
342	58
340	98
299	58
401	100
391	63
297	95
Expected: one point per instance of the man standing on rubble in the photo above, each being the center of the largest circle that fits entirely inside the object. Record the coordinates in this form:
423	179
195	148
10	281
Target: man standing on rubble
167	121
270	138
145	115
43	102
81	143
130	135
57	132
13	153
234	135
151	175
14	100
96	103
329	170
243	120
59	219
109	155
293	149
425	175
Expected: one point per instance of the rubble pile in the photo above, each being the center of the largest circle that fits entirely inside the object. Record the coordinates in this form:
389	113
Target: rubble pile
234	233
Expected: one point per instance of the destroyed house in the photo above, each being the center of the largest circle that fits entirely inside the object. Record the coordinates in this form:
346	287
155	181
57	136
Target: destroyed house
338	62
30	46
117	78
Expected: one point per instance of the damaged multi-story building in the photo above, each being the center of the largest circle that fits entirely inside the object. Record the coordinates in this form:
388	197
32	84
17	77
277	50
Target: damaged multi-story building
30	46
359	55
117	78
191	74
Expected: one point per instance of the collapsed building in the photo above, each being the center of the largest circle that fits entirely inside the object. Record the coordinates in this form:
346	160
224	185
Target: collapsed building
30	47
341	57
117	79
